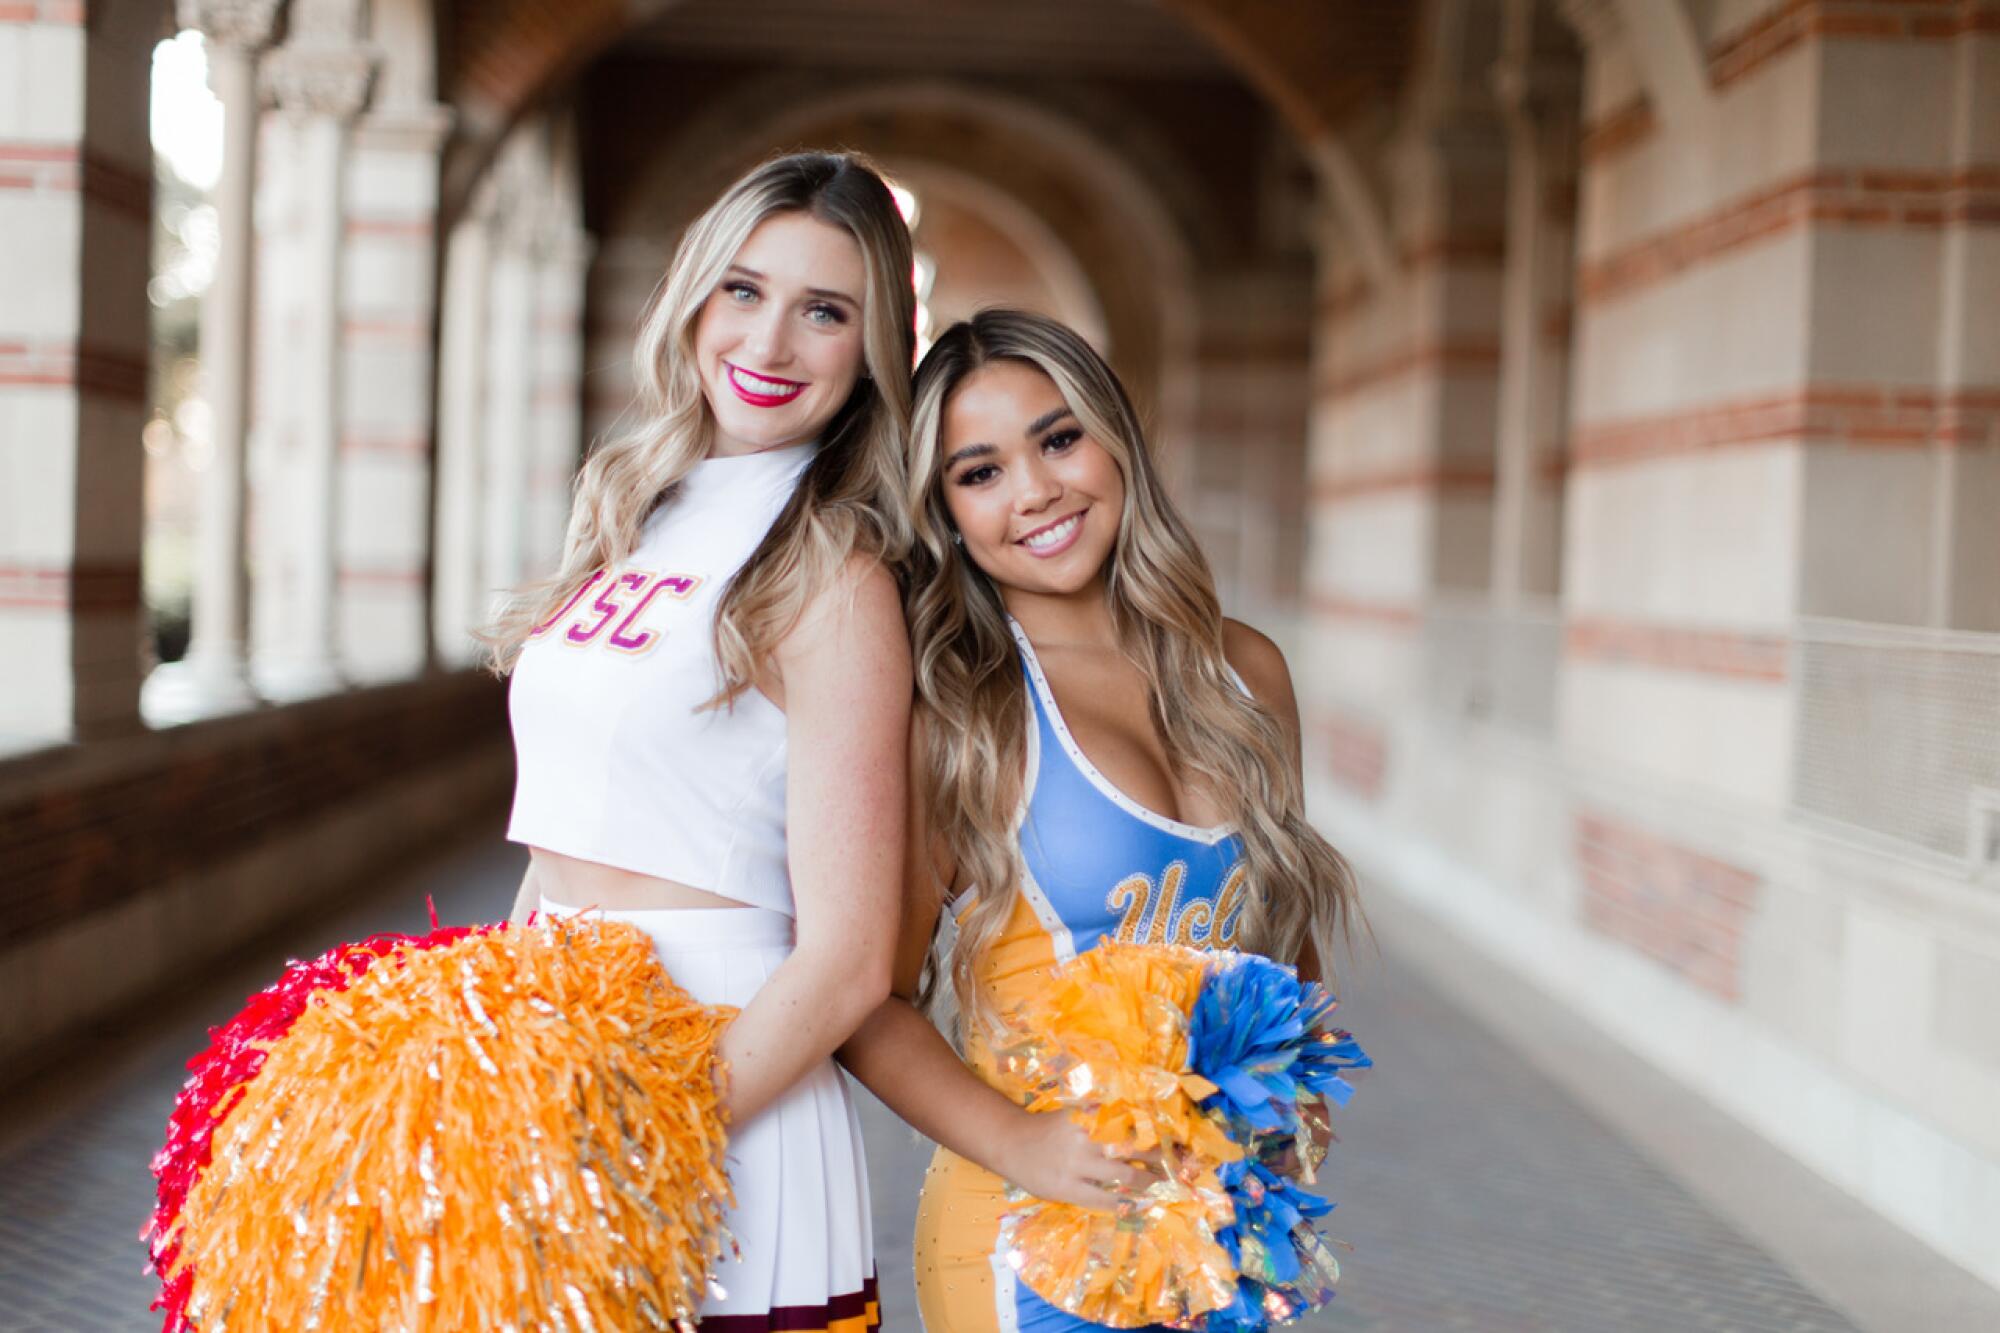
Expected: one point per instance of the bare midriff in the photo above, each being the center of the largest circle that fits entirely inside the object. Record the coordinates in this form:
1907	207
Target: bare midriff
577	883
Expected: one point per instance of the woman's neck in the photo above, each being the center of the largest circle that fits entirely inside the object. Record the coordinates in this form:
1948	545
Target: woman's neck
1079	618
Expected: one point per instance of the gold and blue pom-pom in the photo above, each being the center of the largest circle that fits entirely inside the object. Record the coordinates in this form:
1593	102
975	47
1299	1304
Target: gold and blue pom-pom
1105	1041
1219	1066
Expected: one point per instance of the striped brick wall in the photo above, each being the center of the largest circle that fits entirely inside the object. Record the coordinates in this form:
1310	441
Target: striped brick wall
75	206
1769	366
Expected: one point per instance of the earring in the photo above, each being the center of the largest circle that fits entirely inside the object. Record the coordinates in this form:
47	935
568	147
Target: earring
957	537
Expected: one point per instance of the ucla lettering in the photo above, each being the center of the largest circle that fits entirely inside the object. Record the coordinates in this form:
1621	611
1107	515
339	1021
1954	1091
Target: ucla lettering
1150	910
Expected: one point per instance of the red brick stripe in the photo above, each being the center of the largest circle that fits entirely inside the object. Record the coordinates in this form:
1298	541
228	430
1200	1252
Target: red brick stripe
1872	416
1349	298
90	370
1458	248
1460	356
1454	249
1858	197
1340	606
385	445
1708	652
351	576
67	168
1683	908
1618	130
390	228
1445	478
388	329
84	588
1736	55
67	13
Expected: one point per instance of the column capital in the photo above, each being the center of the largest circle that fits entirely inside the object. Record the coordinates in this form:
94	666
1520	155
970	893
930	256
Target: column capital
245	25
320	78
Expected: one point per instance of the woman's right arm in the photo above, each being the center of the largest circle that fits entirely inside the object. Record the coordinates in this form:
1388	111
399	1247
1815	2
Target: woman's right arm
903	1059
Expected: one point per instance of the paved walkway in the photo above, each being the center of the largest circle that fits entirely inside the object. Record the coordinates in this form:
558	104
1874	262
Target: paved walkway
1476	1193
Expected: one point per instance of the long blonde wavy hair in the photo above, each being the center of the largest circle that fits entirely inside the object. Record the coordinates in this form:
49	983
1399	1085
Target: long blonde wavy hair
850	497
972	698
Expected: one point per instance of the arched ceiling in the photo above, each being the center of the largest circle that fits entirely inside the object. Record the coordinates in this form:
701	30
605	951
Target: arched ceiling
1111	220
1316	60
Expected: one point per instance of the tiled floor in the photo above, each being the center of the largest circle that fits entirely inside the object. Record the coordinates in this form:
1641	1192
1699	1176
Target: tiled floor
1477	1195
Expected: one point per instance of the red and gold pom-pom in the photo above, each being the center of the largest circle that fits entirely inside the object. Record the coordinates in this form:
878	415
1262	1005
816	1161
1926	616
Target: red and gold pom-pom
1105	1040
216	1077
519	1128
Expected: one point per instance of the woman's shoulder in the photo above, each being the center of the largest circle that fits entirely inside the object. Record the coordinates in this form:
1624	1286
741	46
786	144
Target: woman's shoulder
855	603
1259	661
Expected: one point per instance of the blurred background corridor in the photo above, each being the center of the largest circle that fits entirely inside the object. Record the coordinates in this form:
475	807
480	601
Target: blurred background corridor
1599	400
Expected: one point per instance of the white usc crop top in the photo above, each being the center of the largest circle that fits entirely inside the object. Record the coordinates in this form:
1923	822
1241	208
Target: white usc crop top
614	762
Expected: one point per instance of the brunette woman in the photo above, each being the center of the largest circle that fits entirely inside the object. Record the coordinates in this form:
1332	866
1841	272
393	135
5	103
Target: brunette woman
1097	753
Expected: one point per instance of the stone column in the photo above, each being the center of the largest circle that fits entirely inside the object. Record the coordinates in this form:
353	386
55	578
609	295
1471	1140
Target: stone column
321	84
213	679
1538	90
459	603
1250	377
1403	441
235	32
509	398
388	395
562	262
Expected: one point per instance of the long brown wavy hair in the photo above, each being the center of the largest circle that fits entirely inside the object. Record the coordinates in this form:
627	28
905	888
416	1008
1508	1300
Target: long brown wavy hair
972	699
850	498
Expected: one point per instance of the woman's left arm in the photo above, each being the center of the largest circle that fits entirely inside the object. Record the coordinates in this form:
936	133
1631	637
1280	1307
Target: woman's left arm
845	677
1261	663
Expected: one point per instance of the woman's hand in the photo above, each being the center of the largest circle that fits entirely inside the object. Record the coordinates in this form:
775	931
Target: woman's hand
1052	1158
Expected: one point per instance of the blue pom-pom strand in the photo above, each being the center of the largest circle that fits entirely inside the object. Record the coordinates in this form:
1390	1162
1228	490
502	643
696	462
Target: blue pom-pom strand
1266	1040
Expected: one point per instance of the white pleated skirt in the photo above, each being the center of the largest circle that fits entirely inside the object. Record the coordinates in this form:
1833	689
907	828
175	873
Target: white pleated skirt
804	1234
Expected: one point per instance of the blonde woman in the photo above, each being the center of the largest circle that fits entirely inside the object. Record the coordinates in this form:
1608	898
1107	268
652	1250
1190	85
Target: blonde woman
1096	754
710	698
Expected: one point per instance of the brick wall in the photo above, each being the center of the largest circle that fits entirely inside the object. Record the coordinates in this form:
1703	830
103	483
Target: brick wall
1682	908
165	849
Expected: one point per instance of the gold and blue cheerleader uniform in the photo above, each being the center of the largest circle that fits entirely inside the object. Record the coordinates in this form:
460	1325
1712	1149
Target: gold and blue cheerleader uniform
1097	865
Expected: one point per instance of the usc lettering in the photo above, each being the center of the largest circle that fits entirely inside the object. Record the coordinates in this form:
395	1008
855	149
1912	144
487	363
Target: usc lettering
625	598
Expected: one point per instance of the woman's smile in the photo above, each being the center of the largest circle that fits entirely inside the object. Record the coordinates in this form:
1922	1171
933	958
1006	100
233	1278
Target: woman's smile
762	390
1057	537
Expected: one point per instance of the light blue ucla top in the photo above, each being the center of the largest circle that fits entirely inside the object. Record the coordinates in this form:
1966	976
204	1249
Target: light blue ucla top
1098	864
